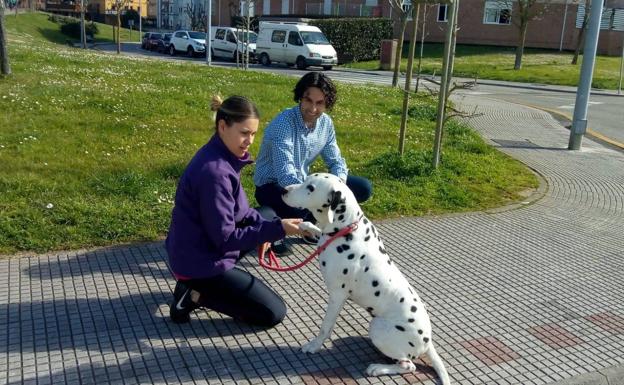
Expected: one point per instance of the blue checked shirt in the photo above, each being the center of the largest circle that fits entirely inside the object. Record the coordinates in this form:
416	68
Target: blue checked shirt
289	147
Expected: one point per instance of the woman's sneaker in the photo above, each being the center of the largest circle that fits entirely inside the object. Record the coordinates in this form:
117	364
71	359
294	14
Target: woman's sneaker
280	248
182	305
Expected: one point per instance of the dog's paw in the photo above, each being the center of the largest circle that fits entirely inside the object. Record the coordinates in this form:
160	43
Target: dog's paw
382	369
310	228
313	346
376	369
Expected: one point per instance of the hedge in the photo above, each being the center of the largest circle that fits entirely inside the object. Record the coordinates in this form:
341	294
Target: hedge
355	39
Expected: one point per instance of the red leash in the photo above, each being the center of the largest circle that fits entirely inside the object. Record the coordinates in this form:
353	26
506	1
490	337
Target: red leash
274	264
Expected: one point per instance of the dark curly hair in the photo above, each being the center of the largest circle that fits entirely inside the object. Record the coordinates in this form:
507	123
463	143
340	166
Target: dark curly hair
318	80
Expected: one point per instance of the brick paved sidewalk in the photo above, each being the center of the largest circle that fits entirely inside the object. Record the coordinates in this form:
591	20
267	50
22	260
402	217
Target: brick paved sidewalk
531	295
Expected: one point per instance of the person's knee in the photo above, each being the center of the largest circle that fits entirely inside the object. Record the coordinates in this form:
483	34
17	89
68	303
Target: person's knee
272	315
277	315
362	188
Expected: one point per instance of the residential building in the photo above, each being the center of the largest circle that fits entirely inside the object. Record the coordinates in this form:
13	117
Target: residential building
492	22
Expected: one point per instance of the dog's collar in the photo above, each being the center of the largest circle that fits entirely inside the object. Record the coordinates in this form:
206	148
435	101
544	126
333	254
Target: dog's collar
352	225
274	264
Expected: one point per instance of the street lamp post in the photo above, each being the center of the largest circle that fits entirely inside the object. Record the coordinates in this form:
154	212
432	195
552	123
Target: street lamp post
140	24
208	42
621	69
579	120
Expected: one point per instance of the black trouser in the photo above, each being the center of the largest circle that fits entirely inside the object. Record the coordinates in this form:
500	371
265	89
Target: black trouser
242	296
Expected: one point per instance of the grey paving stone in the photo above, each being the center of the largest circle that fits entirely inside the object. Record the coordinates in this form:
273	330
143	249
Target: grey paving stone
102	316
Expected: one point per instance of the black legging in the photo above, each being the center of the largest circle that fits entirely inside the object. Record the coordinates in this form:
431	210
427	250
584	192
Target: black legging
242	296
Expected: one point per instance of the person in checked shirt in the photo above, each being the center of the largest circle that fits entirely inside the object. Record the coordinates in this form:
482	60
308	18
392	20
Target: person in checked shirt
291	143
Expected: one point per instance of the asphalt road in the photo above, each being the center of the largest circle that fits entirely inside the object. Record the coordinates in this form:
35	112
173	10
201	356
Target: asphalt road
605	111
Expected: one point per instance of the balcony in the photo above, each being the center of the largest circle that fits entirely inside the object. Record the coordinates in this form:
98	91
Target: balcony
63	6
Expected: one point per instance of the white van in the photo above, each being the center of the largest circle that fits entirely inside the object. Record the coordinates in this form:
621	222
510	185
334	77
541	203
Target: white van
225	41
297	44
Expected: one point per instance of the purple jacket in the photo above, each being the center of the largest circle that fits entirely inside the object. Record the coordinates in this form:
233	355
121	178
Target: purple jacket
211	219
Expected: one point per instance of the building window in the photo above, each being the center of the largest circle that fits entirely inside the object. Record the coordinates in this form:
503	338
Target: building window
497	12
442	12
407	7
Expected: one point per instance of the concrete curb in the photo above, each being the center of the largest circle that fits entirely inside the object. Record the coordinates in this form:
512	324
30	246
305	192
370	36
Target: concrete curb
591	133
613	375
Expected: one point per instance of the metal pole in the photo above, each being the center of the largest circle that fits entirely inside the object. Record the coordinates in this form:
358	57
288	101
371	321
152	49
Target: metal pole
621	69
208	42
443	87
579	121
565	16
159	14
140	25
83	38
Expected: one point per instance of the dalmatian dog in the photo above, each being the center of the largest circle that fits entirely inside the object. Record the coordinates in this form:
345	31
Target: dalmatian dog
356	266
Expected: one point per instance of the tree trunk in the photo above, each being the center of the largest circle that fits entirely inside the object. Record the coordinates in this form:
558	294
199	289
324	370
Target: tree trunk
5	67
520	48
399	51
83	30
422	46
408	79
581	35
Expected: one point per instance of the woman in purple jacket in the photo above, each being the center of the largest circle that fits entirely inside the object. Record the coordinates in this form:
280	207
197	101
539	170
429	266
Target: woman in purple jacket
212	226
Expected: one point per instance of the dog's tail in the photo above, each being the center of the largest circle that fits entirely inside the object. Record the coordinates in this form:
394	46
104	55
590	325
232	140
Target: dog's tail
437	364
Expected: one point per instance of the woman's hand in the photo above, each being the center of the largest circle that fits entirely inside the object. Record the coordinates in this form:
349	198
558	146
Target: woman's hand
291	226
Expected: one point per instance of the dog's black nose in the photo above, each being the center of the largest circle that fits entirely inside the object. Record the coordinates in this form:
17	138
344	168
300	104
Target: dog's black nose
284	191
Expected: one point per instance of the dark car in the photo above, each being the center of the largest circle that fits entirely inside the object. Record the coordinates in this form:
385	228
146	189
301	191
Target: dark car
162	44
149	40
152	42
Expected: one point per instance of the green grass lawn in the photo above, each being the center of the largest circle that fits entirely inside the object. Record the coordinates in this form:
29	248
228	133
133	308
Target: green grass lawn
92	144
485	62
37	25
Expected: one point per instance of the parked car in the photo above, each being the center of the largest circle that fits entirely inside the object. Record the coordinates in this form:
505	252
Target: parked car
149	37
162	45
294	44
191	42
152	41
228	42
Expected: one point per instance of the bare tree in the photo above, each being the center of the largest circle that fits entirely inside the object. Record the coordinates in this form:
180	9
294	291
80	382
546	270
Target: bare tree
196	13
243	9
580	39
403	9
423	34
5	67
527	11
119	6
83	30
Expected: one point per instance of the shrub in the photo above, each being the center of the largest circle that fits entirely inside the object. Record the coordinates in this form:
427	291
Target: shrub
72	29
356	39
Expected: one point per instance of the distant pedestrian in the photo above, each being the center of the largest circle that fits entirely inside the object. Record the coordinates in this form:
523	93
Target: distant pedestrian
212	226
291	143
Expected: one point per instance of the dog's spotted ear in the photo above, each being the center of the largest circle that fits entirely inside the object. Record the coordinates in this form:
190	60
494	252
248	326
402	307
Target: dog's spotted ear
333	200
335	197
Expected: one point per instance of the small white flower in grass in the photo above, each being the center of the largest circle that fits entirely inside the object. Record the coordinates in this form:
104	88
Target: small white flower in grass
45	163
49	206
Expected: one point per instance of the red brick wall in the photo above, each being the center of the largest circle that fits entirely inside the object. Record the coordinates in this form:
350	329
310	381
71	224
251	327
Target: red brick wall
544	32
